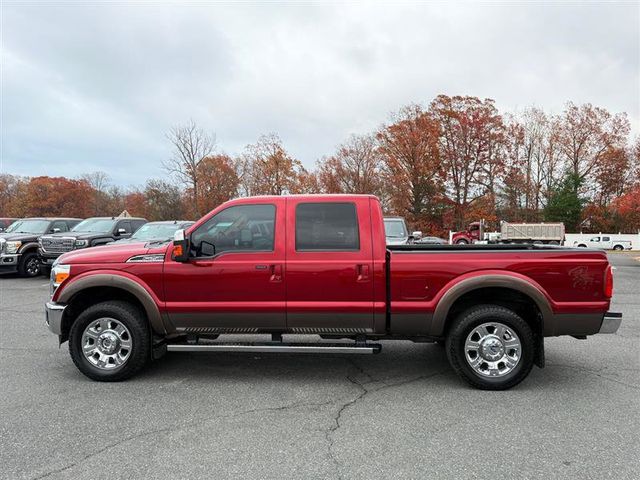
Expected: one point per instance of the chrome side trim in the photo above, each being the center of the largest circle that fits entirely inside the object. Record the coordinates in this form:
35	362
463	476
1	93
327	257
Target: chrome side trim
53	317
276	348
611	322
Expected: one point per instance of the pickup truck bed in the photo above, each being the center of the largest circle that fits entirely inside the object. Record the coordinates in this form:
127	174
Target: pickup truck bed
320	265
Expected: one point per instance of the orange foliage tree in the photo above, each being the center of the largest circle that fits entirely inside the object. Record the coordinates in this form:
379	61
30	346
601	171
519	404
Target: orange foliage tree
58	196
267	169
470	144
356	167
411	164
218	181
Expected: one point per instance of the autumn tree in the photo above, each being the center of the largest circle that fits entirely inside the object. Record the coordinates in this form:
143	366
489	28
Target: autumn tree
470	143
99	182
13	196
164	201
612	175
409	149
266	168
58	196
356	167
626	210
191	145
586	133
218	181
533	163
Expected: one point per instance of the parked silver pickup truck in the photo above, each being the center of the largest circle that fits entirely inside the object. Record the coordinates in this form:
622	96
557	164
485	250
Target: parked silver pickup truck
605	242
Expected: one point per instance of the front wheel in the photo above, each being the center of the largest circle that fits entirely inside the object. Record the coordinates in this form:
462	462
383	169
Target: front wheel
462	242
29	265
491	347
110	341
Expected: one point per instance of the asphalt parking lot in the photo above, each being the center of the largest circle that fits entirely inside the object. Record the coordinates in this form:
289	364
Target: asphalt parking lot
402	413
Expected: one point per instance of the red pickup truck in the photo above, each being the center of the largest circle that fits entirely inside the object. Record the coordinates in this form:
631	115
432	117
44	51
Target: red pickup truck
318	265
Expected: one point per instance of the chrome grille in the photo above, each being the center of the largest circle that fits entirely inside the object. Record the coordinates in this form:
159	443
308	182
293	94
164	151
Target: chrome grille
57	245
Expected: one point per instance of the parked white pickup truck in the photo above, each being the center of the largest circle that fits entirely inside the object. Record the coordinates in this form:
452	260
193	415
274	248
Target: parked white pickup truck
604	242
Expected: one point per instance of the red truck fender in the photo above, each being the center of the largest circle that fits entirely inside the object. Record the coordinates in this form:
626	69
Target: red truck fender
119	280
487	279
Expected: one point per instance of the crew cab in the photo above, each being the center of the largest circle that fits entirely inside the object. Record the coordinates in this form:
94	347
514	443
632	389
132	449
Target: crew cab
605	242
19	243
90	232
319	265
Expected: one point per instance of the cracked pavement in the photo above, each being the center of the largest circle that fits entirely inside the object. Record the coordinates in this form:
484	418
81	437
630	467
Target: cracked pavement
402	413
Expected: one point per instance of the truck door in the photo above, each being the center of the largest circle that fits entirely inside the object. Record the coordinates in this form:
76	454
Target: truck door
329	267
234	280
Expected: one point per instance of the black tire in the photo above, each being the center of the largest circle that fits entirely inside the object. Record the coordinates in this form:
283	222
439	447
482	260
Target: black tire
474	317
462	242
133	320
618	248
582	245
29	265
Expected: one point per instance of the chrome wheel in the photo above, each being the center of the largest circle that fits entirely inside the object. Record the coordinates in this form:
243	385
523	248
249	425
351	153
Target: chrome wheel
492	349
106	343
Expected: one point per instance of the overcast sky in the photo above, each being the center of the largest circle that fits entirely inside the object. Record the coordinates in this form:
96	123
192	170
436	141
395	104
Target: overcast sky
96	87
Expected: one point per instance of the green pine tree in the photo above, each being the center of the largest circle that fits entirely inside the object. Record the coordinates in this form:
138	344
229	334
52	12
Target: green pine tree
565	204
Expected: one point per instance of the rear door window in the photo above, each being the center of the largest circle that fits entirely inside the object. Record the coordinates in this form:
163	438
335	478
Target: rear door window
126	224
327	227
60	225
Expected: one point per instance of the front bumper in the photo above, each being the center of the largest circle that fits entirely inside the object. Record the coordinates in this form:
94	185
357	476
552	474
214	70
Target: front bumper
47	258
9	260
611	322
53	316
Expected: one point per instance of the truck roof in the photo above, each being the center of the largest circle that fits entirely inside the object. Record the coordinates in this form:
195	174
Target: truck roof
49	218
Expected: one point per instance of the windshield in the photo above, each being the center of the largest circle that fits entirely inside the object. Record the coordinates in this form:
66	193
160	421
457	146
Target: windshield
28	226
158	231
395	228
97	225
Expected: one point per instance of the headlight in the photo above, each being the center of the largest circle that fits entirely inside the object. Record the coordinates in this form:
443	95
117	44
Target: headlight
59	273
12	247
81	243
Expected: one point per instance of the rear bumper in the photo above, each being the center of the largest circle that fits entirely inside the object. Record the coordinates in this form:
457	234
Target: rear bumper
53	317
610	322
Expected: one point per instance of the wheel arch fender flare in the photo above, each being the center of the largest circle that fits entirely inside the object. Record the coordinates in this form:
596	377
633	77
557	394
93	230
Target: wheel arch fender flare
121	281
27	247
480	280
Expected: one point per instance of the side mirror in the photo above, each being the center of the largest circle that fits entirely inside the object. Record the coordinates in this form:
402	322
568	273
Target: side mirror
180	249
55	230
417	235
121	231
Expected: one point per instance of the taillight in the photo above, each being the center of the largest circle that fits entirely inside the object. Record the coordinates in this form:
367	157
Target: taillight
608	282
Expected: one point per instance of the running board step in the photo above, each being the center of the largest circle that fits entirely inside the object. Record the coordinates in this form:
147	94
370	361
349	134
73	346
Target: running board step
277	347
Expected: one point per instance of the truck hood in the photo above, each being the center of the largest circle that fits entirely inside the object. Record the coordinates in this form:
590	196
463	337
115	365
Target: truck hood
111	253
78	235
19	237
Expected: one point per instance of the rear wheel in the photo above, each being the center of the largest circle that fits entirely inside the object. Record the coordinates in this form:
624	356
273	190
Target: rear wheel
582	245
491	347
110	341
29	265
462	242
618	248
